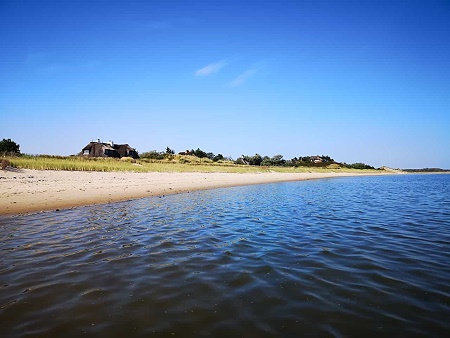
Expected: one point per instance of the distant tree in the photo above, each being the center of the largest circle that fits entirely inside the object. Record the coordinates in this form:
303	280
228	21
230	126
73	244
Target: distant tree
169	151
252	160
199	153
8	146
266	161
218	157
359	166
241	160
326	158
154	155
289	163
256	160
278	160
306	159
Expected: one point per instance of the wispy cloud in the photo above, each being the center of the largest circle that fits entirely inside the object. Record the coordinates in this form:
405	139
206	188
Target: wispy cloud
243	77
211	68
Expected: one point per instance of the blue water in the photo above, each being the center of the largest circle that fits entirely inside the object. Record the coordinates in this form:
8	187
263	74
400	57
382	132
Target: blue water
338	257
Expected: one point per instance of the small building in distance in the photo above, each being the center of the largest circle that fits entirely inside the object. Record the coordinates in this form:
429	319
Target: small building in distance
108	149
316	159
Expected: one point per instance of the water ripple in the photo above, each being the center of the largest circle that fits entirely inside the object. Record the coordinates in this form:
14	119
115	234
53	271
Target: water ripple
343	257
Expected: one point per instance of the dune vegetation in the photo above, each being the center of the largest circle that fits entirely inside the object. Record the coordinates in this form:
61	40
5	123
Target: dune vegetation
175	163
168	161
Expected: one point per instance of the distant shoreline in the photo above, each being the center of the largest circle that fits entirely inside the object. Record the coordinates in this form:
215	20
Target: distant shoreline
29	191
427	171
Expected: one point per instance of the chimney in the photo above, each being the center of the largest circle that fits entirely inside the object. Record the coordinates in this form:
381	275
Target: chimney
98	140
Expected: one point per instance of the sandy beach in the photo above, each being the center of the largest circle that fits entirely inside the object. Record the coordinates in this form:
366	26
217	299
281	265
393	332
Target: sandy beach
26	191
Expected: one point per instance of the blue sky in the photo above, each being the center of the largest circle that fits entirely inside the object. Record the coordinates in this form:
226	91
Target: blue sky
361	81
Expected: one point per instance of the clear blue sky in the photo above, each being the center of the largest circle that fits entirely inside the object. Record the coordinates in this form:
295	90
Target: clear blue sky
361	81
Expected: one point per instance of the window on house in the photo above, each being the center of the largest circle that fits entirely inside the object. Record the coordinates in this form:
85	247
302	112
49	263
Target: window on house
111	153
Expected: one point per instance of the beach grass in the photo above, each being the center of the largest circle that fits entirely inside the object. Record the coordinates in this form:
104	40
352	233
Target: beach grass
175	164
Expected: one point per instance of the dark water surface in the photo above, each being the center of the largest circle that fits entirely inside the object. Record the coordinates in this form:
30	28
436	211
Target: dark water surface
338	257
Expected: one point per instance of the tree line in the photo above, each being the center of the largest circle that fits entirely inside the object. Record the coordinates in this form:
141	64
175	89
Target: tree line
257	159
169	154
9	147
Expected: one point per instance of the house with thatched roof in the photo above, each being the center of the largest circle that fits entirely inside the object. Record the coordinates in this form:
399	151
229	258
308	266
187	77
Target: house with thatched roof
108	149
316	159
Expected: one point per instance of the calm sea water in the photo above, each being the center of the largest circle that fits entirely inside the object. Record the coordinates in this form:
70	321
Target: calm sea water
338	257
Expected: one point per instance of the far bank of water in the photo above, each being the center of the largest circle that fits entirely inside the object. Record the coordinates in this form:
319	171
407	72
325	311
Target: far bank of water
337	257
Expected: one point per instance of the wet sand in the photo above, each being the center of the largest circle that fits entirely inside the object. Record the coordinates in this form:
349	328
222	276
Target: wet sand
26	191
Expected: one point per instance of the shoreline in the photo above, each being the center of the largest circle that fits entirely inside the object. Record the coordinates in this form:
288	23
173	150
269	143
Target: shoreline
31	191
